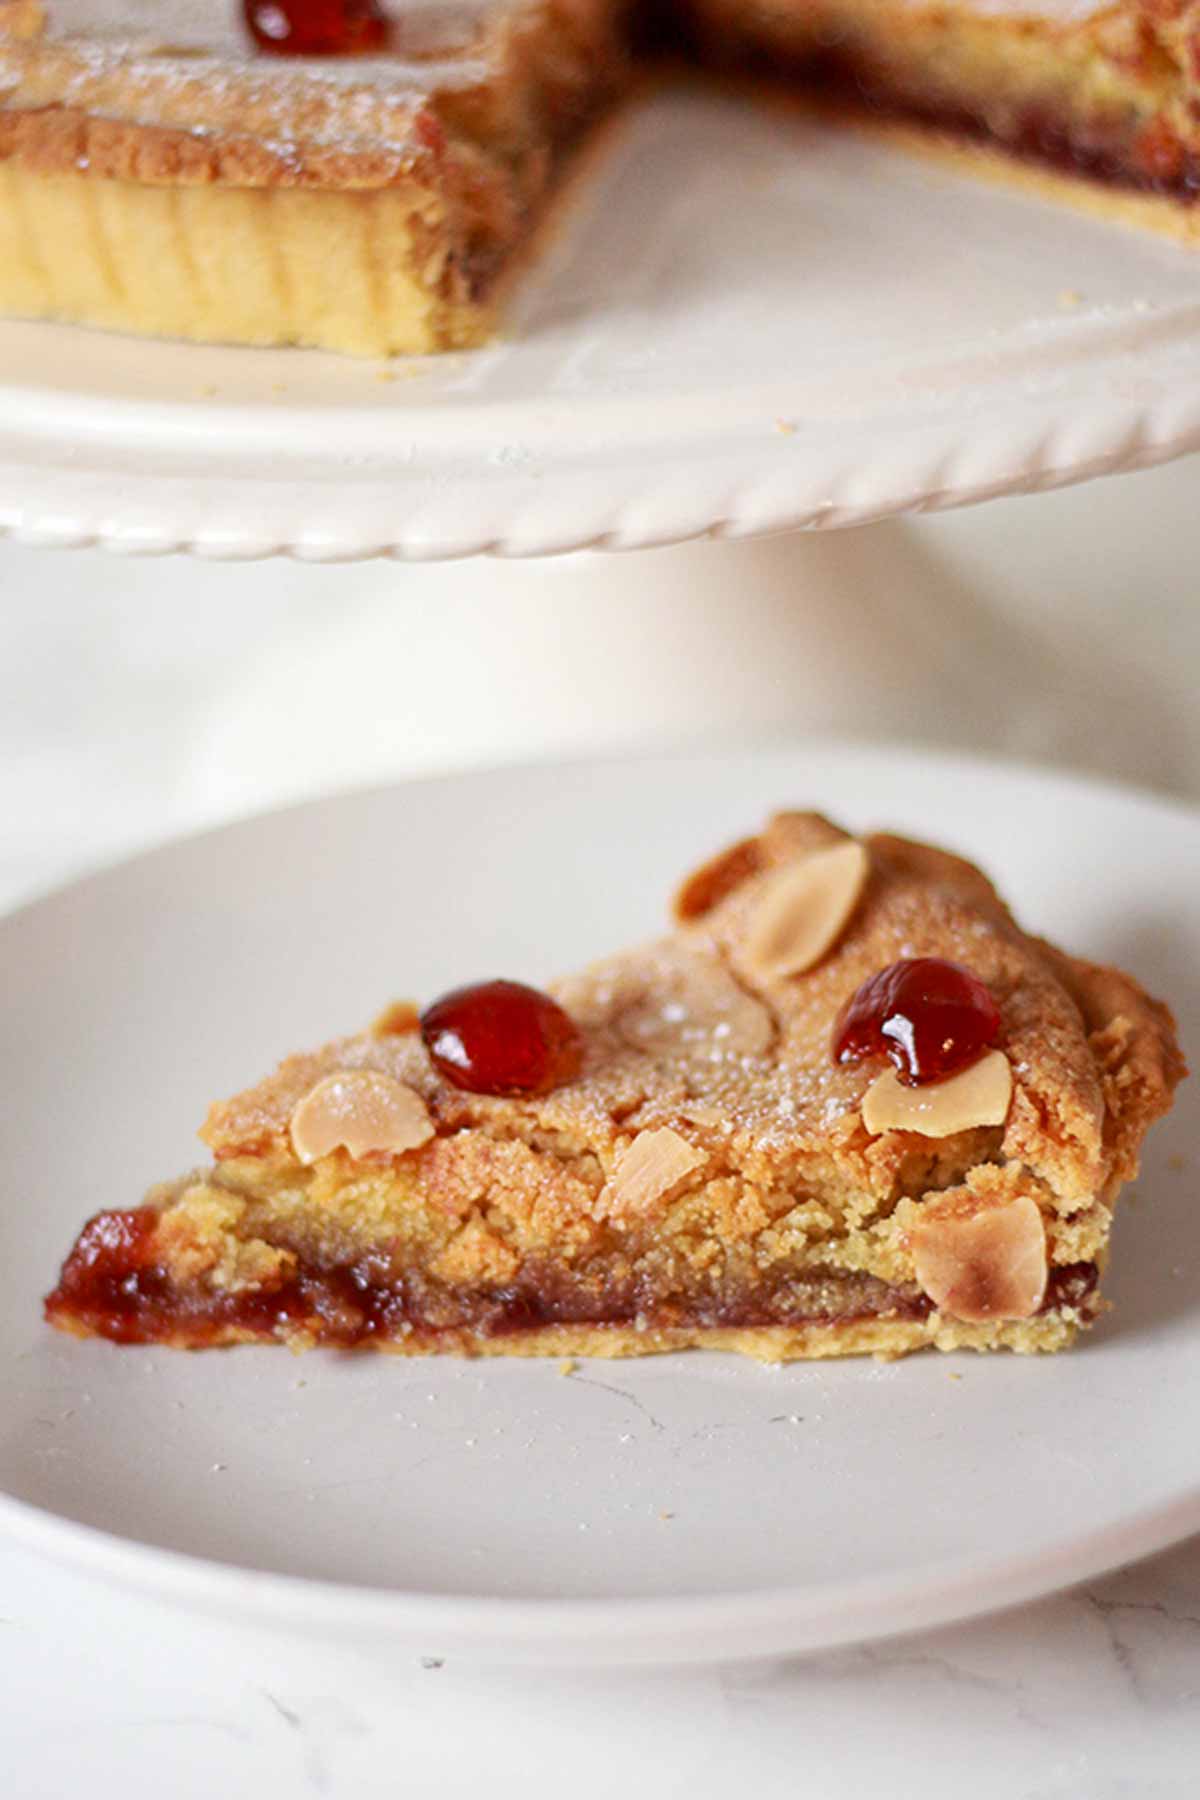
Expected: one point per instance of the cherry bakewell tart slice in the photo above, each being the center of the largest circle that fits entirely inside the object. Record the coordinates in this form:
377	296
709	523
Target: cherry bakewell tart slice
846	1105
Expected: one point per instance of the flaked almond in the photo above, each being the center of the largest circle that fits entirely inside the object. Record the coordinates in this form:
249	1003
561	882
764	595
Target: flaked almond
364	1112
979	1095
802	911
695	1008
984	1265
22	19
656	1162
708	885
397	1020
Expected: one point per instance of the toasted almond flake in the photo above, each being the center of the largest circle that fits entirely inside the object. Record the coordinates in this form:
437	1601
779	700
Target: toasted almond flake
802	911
656	1162
397	1020
983	1265
22	19
708	885
362	1110
979	1095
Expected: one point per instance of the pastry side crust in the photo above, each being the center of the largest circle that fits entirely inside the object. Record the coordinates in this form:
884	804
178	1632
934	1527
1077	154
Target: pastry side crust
421	265
365	273
882	1338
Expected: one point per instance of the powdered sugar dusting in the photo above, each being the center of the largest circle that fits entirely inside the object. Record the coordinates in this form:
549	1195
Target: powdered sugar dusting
189	66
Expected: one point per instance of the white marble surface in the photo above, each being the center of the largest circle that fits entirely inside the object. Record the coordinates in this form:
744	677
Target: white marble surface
141	699
1093	1696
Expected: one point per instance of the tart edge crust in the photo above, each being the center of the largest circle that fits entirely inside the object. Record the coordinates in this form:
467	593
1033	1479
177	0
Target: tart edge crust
884	1338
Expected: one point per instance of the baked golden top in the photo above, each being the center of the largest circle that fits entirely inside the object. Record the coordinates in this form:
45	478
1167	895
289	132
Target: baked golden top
686	1034
168	91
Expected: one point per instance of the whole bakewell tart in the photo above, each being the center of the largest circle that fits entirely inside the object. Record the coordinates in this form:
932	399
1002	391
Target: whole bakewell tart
364	175
846	1105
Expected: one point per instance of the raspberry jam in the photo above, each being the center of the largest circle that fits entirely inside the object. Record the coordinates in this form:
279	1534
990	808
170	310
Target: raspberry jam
500	1037
316	27
931	1017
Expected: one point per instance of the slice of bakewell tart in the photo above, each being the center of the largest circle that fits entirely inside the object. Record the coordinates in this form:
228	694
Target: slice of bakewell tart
846	1105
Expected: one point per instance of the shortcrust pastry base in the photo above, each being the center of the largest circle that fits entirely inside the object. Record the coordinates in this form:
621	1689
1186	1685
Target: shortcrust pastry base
884	1338
356	271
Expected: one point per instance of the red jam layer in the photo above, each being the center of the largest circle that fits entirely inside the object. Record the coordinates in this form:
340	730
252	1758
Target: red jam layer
110	1287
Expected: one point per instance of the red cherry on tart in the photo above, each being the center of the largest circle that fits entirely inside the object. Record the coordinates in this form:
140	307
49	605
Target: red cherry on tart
316	27
932	1018
503	1038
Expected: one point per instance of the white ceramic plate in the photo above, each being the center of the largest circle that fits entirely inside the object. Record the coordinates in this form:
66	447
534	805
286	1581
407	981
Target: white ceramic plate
682	1507
748	323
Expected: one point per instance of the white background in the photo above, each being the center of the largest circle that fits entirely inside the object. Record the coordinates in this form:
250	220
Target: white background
140	698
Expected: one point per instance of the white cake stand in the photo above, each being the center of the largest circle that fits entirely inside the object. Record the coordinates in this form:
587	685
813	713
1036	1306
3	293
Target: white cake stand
748	323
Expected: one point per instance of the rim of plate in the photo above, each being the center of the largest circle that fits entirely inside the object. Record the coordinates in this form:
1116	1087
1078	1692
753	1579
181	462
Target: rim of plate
689	1629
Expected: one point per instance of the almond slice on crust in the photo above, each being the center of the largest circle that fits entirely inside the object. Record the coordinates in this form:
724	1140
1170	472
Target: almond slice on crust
985	1265
23	20
657	1161
708	885
397	1019
802	911
363	1111
979	1095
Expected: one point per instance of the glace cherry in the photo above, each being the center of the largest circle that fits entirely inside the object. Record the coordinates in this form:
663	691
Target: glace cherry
501	1037
316	27
931	1017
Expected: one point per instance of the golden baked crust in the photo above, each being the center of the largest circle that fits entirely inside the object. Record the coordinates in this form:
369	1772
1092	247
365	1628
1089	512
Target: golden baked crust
779	1224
